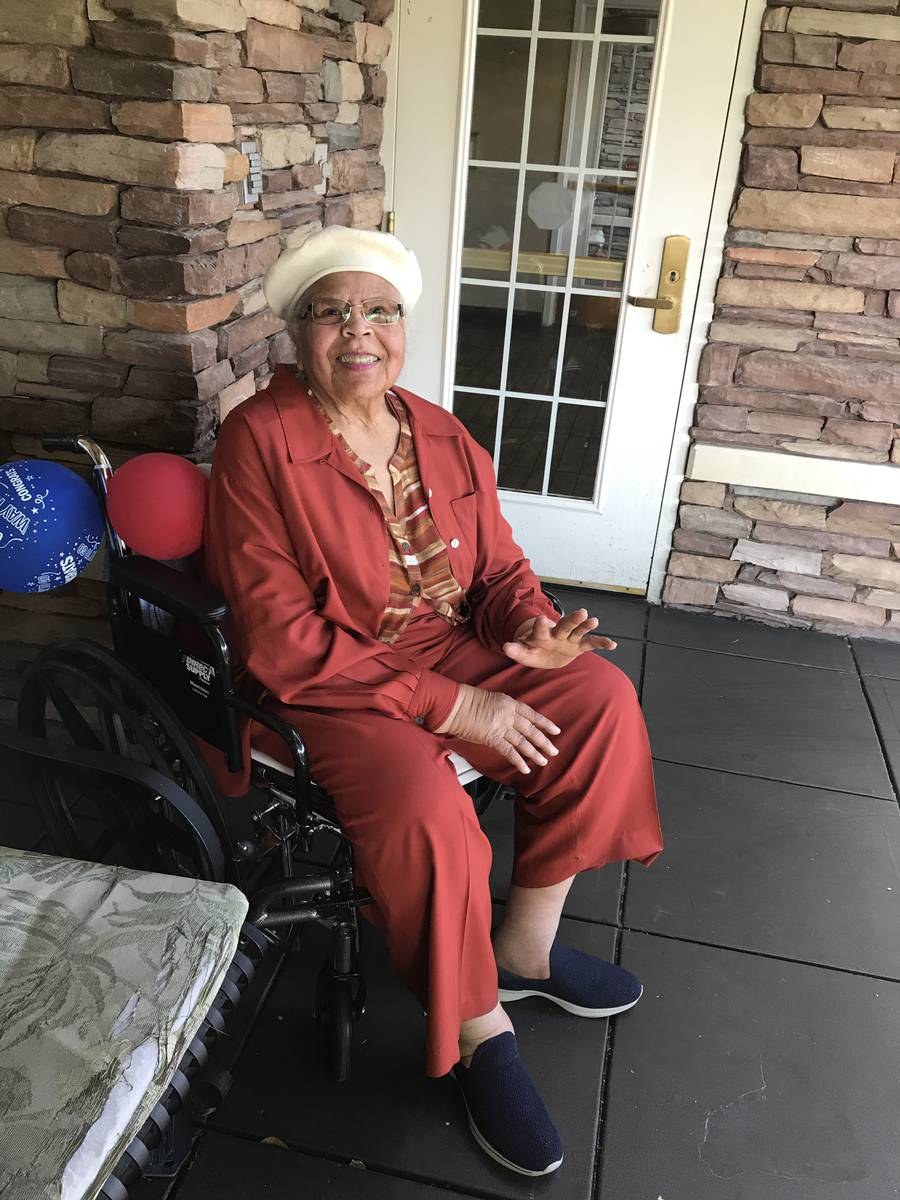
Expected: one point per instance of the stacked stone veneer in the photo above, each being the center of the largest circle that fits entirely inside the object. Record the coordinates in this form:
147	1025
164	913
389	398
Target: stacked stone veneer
131	306
804	351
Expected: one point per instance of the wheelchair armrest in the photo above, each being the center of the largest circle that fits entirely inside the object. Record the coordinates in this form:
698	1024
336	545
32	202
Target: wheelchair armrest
179	594
292	740
554	600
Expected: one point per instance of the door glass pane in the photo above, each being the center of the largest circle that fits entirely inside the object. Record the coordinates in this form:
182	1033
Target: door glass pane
559	101
546	234
576	448
523	444
490	223
534	342
610	233
624	74
604	232
634	17
479	415
568	16
570	206
590	343
482	324
505	14
498	104
604	210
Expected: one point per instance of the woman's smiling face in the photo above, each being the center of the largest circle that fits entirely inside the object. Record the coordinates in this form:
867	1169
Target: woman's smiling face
356	361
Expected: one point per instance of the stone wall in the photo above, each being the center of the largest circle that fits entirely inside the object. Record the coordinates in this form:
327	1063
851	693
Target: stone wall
804	351
788	558
131	306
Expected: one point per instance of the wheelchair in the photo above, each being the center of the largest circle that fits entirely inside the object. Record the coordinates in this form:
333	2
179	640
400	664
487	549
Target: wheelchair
107	739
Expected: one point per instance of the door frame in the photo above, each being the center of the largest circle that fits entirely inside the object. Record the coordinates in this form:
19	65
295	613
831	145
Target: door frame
727	181
727	178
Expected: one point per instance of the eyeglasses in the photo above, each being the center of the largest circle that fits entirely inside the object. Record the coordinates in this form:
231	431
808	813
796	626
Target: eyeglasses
327	311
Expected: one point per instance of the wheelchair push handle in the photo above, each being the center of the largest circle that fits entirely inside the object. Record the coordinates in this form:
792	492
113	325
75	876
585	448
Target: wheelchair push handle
80	444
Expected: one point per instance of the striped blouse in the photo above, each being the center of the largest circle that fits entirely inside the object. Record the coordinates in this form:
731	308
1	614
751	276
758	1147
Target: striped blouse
419	562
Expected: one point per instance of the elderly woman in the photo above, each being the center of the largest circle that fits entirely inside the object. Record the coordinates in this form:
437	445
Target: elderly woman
377	593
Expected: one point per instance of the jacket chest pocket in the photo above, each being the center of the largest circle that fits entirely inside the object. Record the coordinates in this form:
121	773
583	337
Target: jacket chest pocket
462	538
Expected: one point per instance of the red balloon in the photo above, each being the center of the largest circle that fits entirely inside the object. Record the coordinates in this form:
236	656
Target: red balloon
156	504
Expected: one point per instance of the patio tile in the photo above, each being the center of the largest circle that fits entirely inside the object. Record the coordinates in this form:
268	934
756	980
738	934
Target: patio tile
745	1077
13	785
153	1189
877	658
20	826
884	696
725	635
389	1115
227	1050
770	719
628	656
594	895
230	1168
772	867
620	615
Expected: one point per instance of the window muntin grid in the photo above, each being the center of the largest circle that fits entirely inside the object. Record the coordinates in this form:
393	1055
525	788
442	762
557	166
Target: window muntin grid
550	289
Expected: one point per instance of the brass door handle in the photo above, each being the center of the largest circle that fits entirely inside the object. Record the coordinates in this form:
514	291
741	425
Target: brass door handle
665	302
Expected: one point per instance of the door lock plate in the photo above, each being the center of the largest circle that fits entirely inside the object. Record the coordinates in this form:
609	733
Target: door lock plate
671	283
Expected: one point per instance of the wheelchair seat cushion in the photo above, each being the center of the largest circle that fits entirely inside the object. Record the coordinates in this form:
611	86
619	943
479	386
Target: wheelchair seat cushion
465	772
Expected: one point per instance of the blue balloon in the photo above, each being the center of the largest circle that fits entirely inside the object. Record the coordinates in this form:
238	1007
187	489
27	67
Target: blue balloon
51	525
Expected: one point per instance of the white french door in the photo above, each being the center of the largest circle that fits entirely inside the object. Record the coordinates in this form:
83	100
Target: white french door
543	151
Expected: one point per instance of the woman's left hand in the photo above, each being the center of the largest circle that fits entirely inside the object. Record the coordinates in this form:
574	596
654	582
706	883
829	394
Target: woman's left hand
540	643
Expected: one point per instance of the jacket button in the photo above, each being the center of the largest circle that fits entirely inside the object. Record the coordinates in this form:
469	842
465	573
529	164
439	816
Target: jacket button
454	544
429	493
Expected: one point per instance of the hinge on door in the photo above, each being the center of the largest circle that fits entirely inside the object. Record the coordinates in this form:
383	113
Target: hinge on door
389	217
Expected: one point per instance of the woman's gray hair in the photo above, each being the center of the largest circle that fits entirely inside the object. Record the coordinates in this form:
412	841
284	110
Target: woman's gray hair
292	318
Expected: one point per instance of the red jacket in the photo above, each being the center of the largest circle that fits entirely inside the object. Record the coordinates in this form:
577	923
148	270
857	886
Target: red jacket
298	544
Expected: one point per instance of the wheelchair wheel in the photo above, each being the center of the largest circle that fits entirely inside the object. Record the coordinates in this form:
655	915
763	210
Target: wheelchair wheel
340	997
334	1012
78	696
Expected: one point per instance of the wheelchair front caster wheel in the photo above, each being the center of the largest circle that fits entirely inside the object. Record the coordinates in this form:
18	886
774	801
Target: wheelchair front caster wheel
334	1013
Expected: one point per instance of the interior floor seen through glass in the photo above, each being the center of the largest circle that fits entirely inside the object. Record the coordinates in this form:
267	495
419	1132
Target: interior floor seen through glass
534	345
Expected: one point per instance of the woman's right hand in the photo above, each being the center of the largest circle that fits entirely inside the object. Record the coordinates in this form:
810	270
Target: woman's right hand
497	720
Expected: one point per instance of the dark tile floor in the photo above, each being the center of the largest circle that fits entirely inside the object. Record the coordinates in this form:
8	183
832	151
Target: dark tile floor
763	1062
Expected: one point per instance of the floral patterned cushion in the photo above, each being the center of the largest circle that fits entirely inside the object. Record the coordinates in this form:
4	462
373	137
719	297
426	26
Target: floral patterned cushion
105	977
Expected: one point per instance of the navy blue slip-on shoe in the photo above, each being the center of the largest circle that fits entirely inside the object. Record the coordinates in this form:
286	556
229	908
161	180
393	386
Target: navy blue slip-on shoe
580	983
506	1115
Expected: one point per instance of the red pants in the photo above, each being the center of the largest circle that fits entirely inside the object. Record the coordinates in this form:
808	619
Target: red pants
418	847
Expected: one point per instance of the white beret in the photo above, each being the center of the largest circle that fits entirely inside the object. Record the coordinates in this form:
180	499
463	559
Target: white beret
337	248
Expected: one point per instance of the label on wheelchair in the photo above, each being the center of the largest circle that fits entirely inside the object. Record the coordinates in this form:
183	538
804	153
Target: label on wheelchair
199	675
